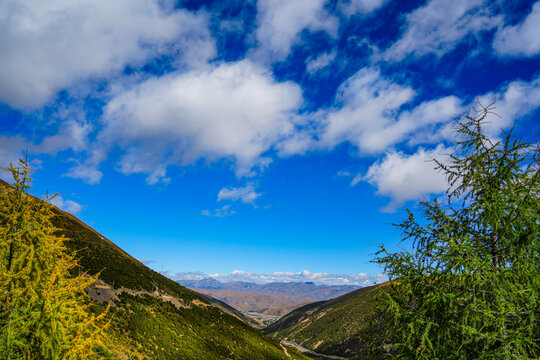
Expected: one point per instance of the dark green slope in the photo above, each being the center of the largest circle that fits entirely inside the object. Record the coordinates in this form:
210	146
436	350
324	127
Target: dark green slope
143	326
340	326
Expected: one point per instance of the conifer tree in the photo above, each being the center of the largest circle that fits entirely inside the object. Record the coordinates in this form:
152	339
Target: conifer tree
469	288
43	306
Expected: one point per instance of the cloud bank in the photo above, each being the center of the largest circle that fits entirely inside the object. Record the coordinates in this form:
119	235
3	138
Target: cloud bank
49	46
521	39
234	111
321	278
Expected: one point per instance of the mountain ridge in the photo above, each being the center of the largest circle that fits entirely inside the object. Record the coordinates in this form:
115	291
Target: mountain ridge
306	290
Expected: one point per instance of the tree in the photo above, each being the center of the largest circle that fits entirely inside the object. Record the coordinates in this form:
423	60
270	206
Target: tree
469	288
43	306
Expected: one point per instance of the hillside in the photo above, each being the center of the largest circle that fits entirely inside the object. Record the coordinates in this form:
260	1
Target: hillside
153	317
339	326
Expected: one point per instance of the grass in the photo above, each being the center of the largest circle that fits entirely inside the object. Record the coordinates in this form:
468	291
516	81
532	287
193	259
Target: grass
340	326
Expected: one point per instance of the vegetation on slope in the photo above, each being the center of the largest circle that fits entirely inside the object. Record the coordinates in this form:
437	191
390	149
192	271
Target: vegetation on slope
143	326
341	326
154	329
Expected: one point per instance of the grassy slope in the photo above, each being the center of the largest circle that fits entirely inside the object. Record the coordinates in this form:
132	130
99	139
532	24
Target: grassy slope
337	327
144	327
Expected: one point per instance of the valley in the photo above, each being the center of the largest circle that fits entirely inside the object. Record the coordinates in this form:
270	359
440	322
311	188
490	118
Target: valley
266	303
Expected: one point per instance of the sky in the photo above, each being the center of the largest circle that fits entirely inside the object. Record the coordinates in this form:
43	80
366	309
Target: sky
269	140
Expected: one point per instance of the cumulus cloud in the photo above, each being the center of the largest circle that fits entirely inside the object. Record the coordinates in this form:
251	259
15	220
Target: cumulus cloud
87	171
439	26
514	100
71	135
351	7
234	111
238	112
521	39
281	22
48	46
245	194
368	114
88	174
368	103
66	205
221	212
321	278
405	177
313	65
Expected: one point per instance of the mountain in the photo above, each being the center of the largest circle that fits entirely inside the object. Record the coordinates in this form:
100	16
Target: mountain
263	308
153	317
339	327
306	290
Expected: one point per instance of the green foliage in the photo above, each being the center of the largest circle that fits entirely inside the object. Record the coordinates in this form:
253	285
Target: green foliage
469	290
340	326
43	308
154	329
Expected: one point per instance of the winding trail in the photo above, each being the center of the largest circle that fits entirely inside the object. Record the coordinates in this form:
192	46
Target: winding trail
304	350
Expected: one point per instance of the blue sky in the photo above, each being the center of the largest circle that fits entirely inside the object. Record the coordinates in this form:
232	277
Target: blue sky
257	140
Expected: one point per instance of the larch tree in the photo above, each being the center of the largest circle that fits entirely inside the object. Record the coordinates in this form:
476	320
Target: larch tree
43	306
469	287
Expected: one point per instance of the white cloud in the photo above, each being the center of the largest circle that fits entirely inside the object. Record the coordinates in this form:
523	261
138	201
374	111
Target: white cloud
514	100
89	174
71	135
50	45
221	212
246	194
369	104
235	111
321	278
281	22
439	26
406	177
88	171
11	150
66	205
343	173
351	7
320	62
367	113
521	39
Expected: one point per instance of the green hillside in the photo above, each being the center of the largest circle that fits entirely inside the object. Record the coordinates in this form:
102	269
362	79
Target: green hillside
341	326
153	317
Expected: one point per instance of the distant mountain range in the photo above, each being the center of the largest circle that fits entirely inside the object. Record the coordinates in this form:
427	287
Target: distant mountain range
265	303
307	291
